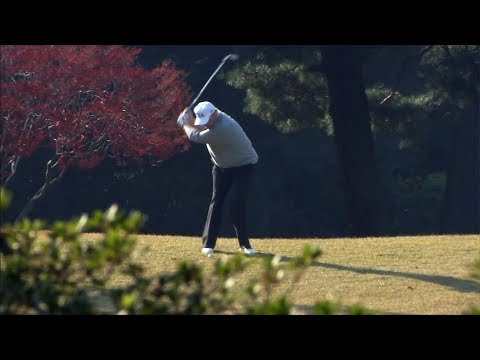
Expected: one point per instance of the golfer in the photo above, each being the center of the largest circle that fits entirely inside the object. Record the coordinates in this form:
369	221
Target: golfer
233	158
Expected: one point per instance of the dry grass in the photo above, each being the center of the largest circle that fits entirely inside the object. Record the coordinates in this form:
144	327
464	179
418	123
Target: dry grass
397	275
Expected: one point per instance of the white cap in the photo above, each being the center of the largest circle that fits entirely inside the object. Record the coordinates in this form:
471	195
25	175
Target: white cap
203	111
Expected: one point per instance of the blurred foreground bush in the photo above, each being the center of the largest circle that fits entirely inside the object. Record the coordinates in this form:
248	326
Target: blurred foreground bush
54	271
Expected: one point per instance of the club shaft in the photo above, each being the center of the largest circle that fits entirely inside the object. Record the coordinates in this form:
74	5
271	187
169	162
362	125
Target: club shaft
208	81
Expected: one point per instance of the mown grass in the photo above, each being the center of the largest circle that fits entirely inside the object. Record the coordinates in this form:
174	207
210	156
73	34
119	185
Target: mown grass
395	275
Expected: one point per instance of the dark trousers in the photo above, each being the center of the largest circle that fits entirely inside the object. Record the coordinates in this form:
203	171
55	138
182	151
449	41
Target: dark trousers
235	180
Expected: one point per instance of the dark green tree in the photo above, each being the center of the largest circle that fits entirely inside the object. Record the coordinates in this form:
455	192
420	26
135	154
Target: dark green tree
367	201
326	90
452	73
325	87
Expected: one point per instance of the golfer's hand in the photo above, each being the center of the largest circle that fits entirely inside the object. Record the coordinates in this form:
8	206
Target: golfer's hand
185	118
182	119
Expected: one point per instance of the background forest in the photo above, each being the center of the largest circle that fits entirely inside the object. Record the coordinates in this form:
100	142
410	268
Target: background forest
352	140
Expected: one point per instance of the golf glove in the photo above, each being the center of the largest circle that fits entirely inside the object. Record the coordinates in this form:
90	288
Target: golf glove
182	119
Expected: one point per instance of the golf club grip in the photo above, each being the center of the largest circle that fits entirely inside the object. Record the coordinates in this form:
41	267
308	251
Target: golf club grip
190	107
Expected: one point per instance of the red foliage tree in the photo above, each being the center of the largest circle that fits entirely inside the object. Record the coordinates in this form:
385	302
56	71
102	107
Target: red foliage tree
87	103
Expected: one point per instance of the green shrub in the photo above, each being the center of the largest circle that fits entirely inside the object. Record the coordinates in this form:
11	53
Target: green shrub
57	271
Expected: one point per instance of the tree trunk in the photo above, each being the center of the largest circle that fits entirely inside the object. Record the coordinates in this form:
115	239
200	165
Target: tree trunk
41	192
369	211
27	209
461	213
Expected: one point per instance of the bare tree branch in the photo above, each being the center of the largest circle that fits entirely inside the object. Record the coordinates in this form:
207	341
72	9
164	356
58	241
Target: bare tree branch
403	67
13	168
41	191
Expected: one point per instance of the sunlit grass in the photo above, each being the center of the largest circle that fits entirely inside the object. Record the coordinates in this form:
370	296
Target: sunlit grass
397	275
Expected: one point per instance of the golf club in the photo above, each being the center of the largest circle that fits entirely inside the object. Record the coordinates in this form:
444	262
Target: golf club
232	57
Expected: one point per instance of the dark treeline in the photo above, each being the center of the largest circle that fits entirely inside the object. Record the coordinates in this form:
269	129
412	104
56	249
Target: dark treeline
359	169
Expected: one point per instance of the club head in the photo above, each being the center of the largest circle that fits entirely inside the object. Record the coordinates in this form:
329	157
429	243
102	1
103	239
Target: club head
232	57
229	56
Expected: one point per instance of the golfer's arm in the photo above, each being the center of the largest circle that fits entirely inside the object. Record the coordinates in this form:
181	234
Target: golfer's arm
197	133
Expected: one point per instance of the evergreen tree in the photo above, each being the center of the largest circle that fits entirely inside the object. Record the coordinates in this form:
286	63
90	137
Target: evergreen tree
293	90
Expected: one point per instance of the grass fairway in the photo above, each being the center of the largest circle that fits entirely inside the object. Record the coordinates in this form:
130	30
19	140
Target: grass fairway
397	275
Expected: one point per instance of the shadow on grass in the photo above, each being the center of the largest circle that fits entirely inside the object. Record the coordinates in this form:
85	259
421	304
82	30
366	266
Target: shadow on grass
461	285
227	252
